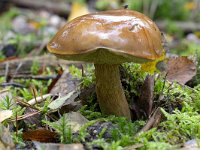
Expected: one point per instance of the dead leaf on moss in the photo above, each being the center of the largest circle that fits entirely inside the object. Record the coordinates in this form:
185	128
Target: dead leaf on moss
145	102
180	69
41	135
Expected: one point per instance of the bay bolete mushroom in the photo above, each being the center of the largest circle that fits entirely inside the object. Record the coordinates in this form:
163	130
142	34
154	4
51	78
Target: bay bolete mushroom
108	39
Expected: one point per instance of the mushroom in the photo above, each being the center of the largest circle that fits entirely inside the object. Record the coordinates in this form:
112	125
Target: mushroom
109	39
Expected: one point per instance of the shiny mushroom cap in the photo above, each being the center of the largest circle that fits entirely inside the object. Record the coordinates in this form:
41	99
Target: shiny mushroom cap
109	37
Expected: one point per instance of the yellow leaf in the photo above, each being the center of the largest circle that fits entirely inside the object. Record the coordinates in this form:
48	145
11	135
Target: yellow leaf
197	34
78	9
190	5
151	67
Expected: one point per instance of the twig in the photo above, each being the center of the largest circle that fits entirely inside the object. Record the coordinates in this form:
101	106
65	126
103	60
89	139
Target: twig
185	26
12	84
39	77
26	116
195	11
61	8
145	6
38	50
6	71
38	99
16	71
45	60
53	83
153	7
153	121
24	104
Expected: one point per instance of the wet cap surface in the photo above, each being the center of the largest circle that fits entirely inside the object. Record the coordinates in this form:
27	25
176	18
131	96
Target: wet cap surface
114	36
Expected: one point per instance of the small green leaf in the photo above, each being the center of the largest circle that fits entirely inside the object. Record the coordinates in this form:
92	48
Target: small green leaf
60	101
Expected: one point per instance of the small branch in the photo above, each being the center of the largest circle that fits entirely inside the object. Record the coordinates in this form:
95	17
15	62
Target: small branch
61	8
153	121
25	116
34	77
26	63
153	7
12	84
38	99
185	26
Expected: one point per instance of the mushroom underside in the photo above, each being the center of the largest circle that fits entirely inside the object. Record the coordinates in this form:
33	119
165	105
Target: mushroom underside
103	56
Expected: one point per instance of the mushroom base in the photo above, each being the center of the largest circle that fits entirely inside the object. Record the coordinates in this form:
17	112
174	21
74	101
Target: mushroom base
109	91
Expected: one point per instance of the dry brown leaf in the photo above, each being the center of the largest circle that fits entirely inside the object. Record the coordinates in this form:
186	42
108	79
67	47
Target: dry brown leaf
180	69
145	102
41	135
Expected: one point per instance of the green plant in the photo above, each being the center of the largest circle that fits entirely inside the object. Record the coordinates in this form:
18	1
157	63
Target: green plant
5	19
83	130
17	135
157	145
44	108
35	67
89	113
6	103
76	72
102	4
88	78
40	86
27	95
133	76
179	12
17	138
100	143
62	128
134	5
173	29
17	111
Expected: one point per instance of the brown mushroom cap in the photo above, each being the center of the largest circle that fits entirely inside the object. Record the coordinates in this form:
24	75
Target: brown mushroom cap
114	36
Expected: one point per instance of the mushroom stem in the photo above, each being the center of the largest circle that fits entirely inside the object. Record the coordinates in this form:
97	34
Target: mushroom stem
109	91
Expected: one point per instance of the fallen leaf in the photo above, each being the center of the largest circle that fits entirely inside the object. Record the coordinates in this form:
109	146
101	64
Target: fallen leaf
35	119
65	84
75	120
190	6
60	101
54	146
191	145
145	102
6	141
180	69
41	135
78	9
5	114
153	121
